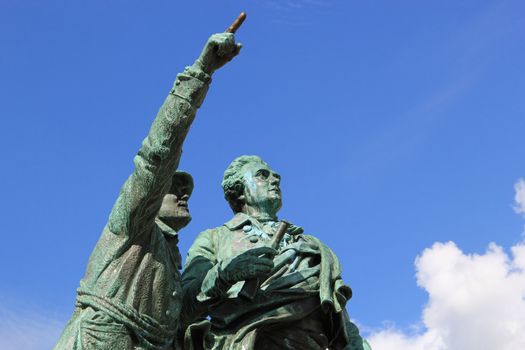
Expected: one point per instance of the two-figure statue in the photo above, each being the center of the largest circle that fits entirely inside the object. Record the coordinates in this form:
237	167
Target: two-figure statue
132	295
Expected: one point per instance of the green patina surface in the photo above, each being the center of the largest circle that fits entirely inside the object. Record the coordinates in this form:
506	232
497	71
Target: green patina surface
132	295
300	303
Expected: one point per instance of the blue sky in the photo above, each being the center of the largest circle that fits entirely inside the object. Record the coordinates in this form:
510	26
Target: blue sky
394	125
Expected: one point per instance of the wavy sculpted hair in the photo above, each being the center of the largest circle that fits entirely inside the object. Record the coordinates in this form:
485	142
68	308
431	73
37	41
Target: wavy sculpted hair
233	182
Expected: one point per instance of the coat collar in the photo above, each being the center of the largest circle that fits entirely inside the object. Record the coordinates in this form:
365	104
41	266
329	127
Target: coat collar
239	220
168	231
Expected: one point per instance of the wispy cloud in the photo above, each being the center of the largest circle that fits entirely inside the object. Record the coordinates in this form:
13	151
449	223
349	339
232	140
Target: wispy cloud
28	329
519	197
295	12
285	5
469	52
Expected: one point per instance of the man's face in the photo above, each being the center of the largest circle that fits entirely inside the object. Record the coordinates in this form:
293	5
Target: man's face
174	210
261	187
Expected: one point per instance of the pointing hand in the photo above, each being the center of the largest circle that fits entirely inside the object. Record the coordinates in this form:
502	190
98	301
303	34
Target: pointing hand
219	50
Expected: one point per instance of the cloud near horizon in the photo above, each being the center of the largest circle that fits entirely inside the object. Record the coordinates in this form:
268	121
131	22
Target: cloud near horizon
28	329
476	301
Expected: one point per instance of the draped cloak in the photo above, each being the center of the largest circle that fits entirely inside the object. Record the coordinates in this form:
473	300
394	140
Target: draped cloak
301	305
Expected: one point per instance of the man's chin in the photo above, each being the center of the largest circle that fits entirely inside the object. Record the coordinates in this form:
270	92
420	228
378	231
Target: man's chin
176	222
276	199
184	220
274	203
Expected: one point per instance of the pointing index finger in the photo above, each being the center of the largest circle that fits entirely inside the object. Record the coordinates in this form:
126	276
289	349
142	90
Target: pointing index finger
237	23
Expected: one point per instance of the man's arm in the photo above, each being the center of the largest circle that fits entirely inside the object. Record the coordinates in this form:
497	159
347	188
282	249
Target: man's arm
141	196
206	280
201	259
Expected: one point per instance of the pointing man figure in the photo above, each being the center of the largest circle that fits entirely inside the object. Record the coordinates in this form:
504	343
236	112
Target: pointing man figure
130	296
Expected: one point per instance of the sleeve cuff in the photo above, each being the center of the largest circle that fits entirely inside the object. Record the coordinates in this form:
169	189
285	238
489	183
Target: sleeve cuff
192	86
212	286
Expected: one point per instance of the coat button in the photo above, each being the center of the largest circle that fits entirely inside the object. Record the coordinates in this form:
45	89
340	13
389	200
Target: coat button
168	313
247	228
174	294
254	239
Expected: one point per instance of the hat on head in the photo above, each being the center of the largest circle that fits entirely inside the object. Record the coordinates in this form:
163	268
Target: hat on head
182	179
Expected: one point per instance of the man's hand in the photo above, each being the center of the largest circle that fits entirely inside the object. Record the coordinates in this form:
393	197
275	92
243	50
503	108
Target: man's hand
253	263
219	50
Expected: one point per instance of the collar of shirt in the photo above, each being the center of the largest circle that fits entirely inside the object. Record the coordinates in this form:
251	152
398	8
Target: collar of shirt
238	221
166	230
252	226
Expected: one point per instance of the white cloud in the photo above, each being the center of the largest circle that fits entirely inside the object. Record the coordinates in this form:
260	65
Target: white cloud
519	198
27	330
392	339
475	301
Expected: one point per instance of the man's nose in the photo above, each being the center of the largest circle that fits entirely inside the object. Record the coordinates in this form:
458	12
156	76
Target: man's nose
274	180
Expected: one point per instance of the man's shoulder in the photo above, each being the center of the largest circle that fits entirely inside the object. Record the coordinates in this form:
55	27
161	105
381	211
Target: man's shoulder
234	224
216	235
213	230
238	221
209	235
315	241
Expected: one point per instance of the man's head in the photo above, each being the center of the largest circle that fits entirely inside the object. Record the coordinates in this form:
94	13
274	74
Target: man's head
249	183
174	210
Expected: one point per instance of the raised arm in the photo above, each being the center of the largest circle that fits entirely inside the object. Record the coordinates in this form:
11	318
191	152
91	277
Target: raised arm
141	196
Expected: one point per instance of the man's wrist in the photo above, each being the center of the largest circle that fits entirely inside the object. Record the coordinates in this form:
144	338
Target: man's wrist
191	85
199	67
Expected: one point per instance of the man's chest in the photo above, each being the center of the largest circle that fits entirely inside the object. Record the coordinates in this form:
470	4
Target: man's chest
231	243
234	242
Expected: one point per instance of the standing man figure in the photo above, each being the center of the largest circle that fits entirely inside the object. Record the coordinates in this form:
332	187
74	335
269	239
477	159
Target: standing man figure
299	297
130	296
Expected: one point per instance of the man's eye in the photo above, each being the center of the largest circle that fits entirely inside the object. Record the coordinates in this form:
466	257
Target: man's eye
263	173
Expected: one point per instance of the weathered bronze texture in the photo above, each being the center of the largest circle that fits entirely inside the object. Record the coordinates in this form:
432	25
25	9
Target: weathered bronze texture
130	296
255	282
250	287
300	302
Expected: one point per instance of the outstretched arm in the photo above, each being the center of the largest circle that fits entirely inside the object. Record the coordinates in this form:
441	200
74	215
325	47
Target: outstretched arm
141	196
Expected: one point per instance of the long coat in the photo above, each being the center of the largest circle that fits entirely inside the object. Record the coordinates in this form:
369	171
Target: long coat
301	305
130	296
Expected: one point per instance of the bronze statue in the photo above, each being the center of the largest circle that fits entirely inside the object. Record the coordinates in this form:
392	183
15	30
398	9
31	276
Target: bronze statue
241	293
253	283
130	296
